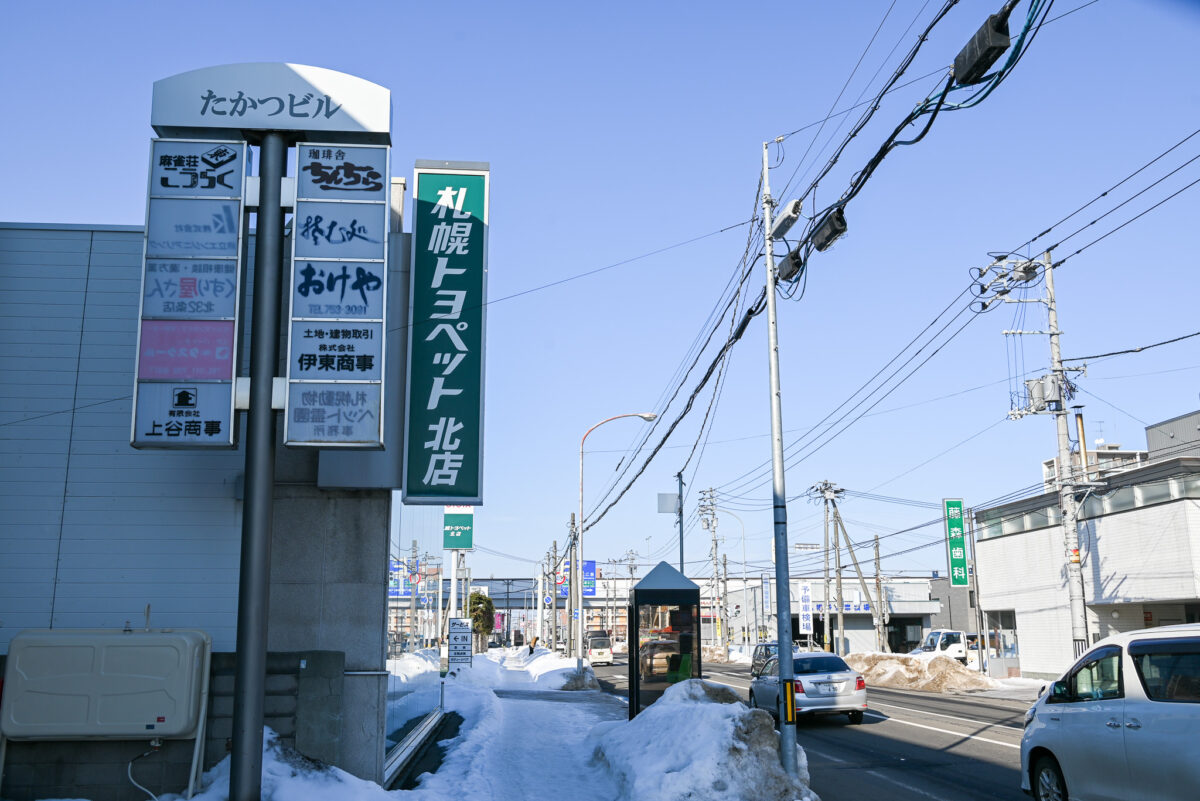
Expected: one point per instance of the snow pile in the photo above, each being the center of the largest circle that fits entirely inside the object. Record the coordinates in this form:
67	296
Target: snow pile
288	775
929	672
417	667
699	742
516	668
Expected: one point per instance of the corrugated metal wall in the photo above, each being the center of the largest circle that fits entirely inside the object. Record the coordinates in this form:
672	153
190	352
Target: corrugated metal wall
91	531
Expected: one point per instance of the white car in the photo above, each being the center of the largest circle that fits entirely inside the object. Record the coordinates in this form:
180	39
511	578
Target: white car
824	685
1122	723
599	651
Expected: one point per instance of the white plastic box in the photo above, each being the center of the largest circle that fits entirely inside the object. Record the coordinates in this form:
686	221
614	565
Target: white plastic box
75	684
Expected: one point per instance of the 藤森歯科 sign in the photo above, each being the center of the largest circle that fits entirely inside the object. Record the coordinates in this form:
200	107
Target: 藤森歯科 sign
443	442
956	542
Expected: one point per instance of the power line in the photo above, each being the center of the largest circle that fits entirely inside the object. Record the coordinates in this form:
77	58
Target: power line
1134	350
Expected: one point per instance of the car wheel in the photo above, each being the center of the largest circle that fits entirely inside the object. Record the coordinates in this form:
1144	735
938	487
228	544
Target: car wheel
856	716
1048	783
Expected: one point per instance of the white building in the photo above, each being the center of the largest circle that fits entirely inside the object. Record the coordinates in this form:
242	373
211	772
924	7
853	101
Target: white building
1139	541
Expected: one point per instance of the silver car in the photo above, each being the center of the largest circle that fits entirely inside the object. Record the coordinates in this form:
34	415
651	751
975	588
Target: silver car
824	685
1122	723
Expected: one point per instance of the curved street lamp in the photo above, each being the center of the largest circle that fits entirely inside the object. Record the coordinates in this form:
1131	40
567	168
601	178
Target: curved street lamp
577	563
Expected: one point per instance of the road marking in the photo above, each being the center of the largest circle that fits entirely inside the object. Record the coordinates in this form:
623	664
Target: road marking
943	731
950	717
874	773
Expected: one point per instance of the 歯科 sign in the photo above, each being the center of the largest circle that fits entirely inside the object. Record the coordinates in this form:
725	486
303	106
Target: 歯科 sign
338	329
956	542
458	528
443	441
191	271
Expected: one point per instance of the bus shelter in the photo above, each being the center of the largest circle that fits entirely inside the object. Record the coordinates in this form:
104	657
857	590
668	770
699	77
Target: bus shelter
664	635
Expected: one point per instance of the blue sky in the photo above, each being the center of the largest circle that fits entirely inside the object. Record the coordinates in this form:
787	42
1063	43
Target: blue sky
616	132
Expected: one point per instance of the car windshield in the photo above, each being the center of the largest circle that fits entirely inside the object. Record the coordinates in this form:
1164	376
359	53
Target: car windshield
931	641
818	664
599	642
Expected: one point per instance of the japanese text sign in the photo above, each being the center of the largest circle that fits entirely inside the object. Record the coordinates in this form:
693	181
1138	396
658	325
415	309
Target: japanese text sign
336	347
956	542
589	578
458	527
443	458
191	271
806	609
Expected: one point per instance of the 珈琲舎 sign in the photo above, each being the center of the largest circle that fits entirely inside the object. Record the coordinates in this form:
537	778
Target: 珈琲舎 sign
336	346
191	270
443	442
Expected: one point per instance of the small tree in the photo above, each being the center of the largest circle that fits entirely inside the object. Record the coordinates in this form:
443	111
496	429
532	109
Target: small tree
483	619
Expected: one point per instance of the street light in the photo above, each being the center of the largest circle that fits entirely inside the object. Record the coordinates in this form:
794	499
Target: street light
577	563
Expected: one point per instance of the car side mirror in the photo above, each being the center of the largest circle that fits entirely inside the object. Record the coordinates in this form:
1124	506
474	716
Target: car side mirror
1059	692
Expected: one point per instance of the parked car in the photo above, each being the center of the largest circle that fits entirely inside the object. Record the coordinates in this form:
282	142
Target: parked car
1123	722
824	685
654	657
599	651
764	651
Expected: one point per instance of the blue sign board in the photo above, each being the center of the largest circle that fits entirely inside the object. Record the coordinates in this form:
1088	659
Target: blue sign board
589	579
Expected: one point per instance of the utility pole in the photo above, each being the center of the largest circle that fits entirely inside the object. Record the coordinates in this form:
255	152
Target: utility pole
413	583
862	582
725	637
679	518
880	600
787	716
1049	394
554	598
572	557
828	616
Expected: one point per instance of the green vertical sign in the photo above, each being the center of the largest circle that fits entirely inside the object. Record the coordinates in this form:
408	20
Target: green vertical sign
458	528
956	542
443	442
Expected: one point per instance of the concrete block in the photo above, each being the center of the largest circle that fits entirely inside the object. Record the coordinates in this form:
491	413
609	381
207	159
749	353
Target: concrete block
352	621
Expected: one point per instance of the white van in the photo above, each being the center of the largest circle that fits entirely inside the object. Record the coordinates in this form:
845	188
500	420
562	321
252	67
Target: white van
1123	722
599	651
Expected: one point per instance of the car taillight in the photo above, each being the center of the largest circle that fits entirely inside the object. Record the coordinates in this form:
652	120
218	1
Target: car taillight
798	687
860	683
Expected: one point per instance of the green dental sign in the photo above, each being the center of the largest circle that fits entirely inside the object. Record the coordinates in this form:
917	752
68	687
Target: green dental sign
956	542
443	450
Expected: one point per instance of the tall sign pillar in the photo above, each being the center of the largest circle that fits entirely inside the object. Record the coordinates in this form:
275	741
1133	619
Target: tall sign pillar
186	363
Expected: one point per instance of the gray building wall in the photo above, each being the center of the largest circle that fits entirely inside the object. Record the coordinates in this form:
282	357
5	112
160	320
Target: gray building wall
94	531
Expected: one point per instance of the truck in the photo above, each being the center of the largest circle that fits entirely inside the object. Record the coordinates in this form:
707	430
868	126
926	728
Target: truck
953	643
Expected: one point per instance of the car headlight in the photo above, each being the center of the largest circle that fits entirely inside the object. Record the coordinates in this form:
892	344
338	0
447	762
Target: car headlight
1030	714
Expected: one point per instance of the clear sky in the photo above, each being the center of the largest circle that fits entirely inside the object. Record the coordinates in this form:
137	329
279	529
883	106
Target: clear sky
617	132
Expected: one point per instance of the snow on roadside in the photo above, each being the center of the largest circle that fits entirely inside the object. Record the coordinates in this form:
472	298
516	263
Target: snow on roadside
930	673
699	742
515	668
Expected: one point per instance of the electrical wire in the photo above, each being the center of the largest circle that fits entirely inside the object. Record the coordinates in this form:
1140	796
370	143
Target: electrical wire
1133	350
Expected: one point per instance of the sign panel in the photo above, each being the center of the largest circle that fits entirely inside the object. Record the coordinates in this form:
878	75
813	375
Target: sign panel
443	452
956	542
458	528
458	648
186	349
177	289
338	298
324	105
806	608
191	271
589	579
183	413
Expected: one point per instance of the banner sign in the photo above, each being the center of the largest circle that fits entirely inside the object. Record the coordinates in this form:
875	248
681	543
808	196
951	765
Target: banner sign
443	441
806	608
191	271
458	524
336	352
956	542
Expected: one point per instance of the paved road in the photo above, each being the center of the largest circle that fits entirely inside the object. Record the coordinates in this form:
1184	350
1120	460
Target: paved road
911	746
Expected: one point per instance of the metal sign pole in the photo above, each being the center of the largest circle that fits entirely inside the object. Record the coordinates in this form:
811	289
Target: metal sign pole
245	779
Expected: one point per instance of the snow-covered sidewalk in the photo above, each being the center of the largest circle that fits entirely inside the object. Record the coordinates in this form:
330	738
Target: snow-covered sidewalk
528	742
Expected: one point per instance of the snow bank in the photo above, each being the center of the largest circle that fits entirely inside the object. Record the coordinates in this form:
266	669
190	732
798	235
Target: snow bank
699	742
517	668
929	672
288	776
